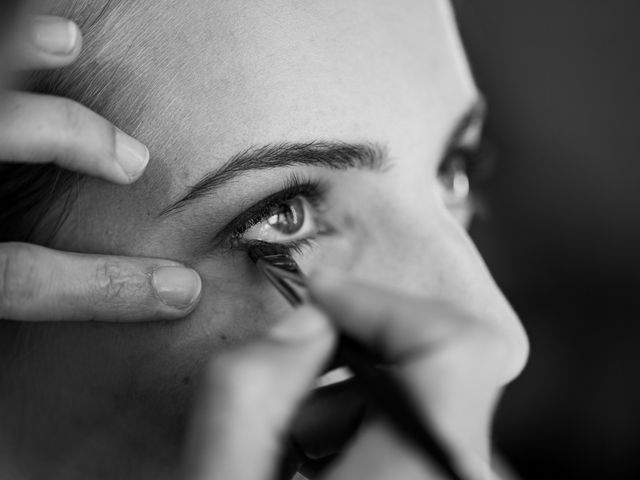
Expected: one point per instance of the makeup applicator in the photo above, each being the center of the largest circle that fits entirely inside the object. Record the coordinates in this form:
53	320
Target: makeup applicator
386	392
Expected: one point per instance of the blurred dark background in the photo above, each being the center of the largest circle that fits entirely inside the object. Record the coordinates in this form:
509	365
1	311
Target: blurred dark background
562	232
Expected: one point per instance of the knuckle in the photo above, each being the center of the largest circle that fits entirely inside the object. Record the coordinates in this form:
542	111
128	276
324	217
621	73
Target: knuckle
71	116
112	280
77	124
19	279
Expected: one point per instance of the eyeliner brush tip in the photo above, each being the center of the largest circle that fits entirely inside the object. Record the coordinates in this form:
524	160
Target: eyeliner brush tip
256	252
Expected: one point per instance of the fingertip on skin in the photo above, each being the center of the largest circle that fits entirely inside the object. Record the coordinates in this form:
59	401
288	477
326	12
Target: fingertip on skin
76	34
58	39
74	37
177	287
132	157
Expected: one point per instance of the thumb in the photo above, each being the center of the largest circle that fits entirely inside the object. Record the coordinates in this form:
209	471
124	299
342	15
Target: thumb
250	395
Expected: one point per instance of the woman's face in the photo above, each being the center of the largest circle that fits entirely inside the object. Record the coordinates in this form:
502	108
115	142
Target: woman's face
323	125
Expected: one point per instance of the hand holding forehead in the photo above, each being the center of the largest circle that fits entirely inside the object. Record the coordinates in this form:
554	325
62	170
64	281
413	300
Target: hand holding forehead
38	284
44	129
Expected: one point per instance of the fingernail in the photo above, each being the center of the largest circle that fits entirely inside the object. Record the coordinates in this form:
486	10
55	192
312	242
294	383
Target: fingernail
304	324
178	287
132	155
56	36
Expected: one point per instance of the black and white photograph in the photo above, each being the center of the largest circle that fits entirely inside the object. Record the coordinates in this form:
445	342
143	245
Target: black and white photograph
319	240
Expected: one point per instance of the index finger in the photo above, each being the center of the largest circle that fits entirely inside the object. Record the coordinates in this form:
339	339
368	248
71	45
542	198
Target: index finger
38	128
39	284
408	330
394	325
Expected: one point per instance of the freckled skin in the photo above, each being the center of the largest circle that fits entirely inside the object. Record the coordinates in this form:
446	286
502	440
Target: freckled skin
361	70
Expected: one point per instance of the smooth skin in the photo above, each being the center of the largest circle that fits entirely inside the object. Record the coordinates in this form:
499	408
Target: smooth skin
226	76
40	284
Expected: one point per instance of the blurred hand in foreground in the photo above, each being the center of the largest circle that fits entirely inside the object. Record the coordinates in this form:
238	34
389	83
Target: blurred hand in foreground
453	363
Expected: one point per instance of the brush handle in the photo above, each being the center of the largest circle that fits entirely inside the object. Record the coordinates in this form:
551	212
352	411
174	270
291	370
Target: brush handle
393	400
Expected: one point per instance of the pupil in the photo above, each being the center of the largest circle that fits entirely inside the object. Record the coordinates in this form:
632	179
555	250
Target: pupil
288	218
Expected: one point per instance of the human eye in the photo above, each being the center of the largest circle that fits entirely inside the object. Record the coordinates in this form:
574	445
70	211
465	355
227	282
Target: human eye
455	178
290	217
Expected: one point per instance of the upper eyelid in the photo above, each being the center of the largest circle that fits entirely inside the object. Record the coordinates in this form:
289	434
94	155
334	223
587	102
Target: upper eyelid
471	136
468	138
293	187
467	133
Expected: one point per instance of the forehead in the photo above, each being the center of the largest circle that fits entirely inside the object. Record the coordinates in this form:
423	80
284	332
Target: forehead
207	79
227	74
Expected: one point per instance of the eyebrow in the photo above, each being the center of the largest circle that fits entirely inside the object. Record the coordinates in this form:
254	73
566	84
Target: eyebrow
332	155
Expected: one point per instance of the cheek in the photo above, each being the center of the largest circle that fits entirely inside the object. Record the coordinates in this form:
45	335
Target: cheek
237	304
149	370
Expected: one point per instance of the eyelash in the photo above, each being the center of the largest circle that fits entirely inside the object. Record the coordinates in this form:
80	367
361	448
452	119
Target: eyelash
295	186
473	161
